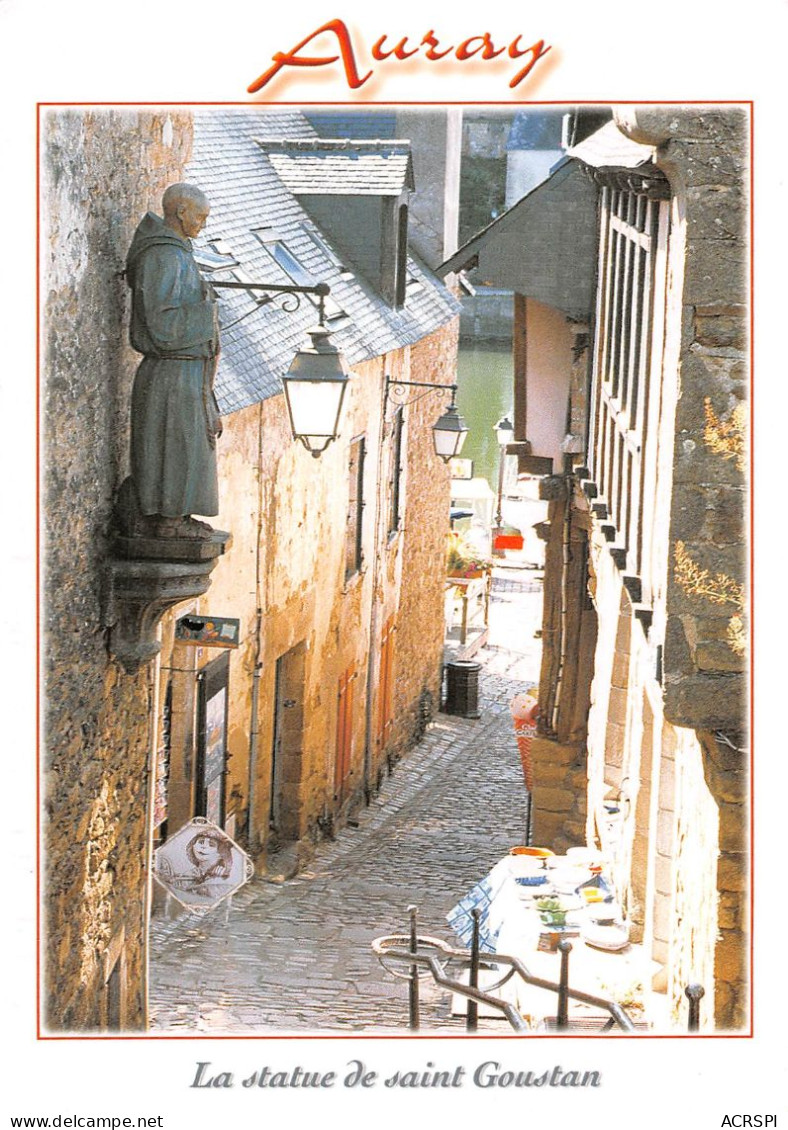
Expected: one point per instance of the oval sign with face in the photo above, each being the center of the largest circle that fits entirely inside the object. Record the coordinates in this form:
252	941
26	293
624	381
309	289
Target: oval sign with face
200	865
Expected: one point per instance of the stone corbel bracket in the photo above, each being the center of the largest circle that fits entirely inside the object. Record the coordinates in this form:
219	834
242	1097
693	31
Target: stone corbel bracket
147	576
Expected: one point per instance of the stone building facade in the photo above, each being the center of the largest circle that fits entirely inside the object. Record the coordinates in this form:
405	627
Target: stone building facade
99	171
643	694
338	665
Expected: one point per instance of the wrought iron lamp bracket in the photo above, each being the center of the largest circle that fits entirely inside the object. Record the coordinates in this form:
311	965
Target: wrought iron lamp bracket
397	390
289	293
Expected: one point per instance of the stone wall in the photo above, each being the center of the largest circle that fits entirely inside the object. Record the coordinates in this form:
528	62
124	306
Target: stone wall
100	172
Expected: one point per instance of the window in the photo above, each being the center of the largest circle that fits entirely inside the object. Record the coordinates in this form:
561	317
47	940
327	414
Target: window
295	270
395	472
319	242
353	536
210	258
284	257
629	334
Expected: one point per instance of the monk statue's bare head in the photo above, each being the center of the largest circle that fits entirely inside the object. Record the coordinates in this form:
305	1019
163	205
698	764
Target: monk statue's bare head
185	209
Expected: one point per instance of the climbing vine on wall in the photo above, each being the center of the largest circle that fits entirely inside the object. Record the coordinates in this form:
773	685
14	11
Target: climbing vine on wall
726	437
718	588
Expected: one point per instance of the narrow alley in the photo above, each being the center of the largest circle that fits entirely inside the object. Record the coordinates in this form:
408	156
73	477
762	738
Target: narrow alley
295	955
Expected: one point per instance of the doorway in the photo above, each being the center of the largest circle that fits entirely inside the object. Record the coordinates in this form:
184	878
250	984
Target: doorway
284	819
212	740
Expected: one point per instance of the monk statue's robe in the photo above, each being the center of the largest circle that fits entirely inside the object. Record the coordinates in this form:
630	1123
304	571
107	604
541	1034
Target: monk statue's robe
174	416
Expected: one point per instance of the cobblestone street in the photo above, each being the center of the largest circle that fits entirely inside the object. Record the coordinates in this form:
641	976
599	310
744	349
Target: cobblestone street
295	956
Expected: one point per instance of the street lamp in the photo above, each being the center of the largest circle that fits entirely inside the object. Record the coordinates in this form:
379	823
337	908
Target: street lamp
315	387
316	381
450	430
504	431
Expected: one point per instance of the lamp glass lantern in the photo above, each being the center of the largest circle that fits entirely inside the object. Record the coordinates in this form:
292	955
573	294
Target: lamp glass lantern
315	386
448	433
504	431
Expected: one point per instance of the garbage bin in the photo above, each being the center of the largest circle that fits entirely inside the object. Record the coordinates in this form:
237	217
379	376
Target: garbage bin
462	688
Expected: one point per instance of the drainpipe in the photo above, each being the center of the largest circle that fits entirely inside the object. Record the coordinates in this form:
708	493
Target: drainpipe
254	735
373	618
154	673
566	556
254	729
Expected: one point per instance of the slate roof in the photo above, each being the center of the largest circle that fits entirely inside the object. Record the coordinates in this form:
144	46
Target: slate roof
342	166
246	194
544	246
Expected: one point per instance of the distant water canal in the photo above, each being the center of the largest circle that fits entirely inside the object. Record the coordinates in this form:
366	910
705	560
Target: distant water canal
484	396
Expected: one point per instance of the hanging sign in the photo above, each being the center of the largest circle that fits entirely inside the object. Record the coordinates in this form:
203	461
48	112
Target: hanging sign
200	865
208	631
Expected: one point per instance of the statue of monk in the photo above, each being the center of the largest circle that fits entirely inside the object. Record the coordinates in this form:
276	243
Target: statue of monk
175	420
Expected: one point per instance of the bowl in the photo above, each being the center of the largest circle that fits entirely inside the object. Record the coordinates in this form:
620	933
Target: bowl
536	852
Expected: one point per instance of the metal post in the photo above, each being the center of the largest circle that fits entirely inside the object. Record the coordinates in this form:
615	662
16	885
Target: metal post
499	512
464	624
472	1022
562	1018
693	993
413	987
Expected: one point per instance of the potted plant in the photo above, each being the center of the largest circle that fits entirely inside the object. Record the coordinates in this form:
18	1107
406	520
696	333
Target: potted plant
508	537
463	561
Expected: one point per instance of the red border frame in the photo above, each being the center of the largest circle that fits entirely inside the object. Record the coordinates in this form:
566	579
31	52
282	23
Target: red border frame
512	105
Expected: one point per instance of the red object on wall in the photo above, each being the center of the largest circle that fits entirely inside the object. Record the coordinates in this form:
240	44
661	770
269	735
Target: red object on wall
508	541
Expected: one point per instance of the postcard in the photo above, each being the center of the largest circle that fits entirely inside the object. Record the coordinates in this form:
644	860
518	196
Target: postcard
391	732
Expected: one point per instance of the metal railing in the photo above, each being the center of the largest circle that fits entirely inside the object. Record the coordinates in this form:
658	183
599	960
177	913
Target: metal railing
412	955
405	955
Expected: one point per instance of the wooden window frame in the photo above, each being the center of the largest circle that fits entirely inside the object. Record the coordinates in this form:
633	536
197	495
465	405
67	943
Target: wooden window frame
395	472
627	362
354	542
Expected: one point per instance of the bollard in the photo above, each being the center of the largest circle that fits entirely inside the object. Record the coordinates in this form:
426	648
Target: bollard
413	987
472	1022
562	1016
693	993
462	688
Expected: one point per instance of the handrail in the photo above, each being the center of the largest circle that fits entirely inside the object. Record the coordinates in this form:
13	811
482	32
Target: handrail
386	949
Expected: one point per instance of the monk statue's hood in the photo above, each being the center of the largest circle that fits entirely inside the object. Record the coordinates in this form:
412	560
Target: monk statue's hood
151	232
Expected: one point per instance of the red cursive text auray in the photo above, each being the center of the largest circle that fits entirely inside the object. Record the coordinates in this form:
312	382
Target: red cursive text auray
474	47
